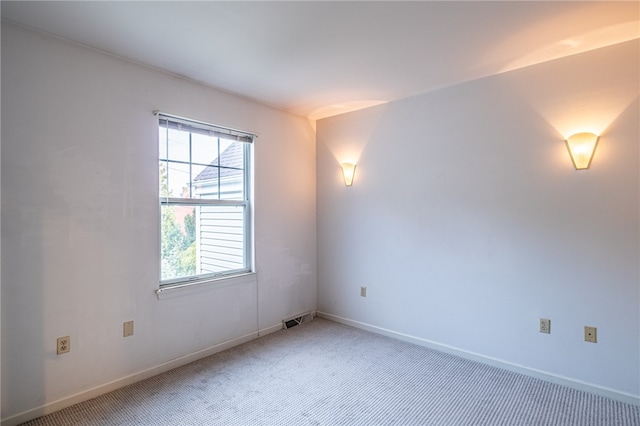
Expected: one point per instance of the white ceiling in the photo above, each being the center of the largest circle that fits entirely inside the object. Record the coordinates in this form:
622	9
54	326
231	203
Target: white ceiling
318	59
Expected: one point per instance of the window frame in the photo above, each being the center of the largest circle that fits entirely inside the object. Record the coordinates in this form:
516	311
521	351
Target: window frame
246	202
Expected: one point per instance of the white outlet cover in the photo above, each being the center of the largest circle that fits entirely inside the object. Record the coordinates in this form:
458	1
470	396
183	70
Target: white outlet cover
545	325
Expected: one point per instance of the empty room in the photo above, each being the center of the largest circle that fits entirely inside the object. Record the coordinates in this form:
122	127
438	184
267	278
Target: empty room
322	213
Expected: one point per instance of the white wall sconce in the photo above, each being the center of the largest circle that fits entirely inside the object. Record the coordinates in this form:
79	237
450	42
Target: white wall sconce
581	147
348	170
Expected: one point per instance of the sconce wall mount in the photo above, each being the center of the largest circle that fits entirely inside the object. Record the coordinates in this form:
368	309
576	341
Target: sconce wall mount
581	147
348	171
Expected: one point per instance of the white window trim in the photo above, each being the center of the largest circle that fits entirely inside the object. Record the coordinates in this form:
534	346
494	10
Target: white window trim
194	283
169	291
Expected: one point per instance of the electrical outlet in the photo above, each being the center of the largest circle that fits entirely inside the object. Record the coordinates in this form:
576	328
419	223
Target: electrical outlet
545	325
590	334
63	345
363	291
127	329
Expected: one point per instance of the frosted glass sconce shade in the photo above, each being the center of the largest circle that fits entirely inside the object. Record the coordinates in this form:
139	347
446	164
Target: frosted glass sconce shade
581	148
348	170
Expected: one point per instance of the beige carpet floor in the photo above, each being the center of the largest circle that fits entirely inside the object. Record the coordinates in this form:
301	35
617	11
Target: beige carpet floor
324	373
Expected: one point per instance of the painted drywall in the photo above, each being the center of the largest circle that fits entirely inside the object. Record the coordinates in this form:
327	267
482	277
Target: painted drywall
467	222
80	221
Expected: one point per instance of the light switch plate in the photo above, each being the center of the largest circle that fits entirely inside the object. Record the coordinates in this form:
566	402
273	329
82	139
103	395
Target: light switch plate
127	329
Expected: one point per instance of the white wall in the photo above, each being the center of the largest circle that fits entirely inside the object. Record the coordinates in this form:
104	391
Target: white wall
80	222
467	221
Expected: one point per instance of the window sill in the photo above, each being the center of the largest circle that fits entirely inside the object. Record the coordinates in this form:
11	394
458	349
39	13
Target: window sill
183	289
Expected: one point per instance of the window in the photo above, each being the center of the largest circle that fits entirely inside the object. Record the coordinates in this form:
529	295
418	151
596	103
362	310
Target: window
205	206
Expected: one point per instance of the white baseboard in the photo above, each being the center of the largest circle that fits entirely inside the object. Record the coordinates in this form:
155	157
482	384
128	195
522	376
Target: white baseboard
538	374
133	378
270	329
